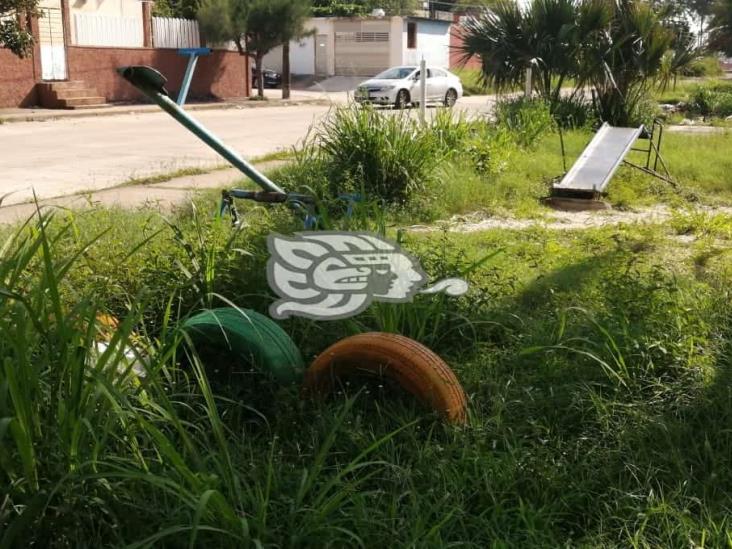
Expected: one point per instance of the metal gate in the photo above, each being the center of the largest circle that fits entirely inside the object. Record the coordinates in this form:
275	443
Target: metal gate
361	47
51	40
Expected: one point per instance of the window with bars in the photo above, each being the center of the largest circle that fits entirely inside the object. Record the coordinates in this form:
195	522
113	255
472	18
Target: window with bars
362	36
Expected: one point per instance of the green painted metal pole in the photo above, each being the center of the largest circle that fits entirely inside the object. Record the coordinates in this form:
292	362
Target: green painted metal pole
152	84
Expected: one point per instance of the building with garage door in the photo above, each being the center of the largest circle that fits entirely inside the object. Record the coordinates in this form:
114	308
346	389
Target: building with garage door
367	46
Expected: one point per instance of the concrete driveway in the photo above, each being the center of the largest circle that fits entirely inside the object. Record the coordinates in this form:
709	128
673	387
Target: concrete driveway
67	156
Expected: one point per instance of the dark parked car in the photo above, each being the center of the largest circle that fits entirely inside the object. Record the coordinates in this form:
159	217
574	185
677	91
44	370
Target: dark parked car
272	79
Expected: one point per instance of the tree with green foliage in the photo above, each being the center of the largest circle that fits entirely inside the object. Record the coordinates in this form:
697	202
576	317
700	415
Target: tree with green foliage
623	62
616	48
684	10
338	8
702	9
720	37
255	26
548	36
15	30
185	9
360	8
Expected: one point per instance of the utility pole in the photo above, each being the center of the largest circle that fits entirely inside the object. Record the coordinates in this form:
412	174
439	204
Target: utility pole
423	90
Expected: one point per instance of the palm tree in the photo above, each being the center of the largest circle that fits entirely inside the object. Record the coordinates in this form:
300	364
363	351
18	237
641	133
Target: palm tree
615	47
622	64
547	36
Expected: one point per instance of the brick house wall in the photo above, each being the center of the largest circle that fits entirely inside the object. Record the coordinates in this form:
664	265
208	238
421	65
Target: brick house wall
456	41
17	80
221	75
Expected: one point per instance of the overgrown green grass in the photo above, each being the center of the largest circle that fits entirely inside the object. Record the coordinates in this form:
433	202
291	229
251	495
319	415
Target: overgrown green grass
597	364
471	81
706	67
711	99
524	176
458	164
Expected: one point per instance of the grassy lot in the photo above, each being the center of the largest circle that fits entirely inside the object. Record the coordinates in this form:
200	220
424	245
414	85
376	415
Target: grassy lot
694	160
684	88
708	100
597	363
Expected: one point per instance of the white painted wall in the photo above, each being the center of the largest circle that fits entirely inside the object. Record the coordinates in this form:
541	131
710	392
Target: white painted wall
433	42
302	52
302	57
397	41
111	8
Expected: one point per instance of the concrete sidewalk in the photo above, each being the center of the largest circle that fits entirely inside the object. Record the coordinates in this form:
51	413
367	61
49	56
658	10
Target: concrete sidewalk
162	197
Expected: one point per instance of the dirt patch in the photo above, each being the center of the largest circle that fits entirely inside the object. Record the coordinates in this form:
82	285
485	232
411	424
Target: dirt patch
568	221
701	129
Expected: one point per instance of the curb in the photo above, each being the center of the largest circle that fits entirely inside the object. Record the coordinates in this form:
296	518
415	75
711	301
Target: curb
143	108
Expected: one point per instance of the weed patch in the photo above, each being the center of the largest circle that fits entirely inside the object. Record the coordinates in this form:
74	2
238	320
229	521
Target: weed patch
585	354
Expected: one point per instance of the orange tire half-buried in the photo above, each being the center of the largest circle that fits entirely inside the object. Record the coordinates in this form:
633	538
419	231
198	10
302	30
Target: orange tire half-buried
412	365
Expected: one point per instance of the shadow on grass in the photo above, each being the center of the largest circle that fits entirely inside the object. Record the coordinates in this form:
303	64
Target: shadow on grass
615	427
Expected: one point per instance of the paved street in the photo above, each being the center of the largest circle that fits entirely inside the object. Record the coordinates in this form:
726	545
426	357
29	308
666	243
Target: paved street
67	156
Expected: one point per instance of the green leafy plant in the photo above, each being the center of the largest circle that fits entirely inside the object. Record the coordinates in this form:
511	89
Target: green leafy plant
546	36
616	48
623	63
720	37
451	131
526	119
574	112
704	67
712	101
387	157
15	25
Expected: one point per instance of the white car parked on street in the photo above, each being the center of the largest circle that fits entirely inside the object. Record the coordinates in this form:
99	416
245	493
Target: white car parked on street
400	86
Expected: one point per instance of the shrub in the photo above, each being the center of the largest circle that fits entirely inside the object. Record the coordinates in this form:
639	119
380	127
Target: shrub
385	157
714	100
490	149
472	81
526	119
634	109
306	173
451	131
574	112
708	66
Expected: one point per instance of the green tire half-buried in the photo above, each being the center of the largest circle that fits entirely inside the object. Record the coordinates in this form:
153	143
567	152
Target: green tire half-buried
250	338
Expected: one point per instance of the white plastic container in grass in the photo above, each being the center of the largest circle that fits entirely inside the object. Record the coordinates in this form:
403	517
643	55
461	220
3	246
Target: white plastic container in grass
128	361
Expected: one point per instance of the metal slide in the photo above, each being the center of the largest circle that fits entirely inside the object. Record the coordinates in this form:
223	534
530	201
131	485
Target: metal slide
598	163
